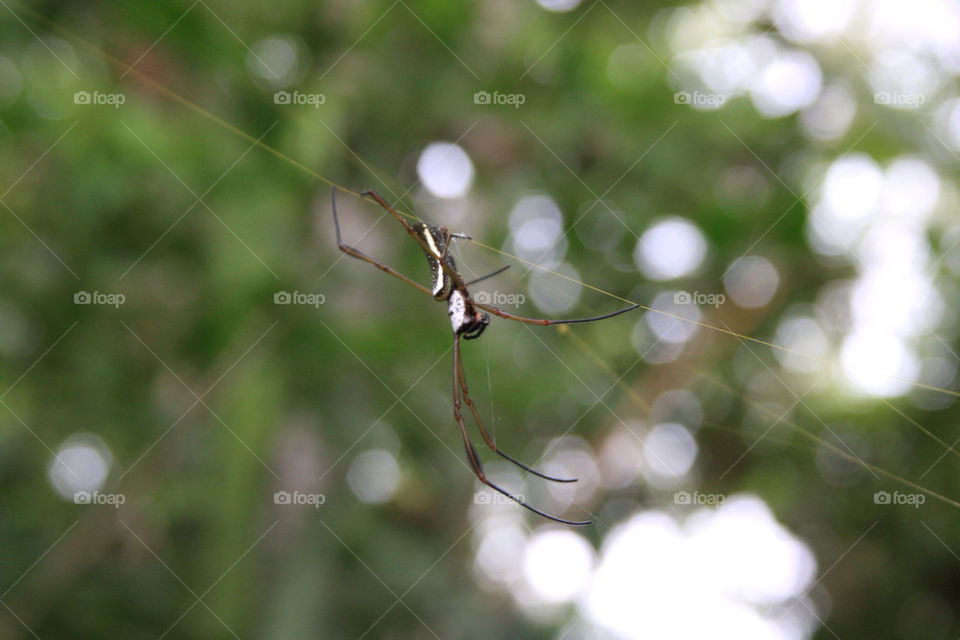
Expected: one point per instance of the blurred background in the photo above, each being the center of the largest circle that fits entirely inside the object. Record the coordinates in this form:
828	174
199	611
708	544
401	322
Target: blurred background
214	424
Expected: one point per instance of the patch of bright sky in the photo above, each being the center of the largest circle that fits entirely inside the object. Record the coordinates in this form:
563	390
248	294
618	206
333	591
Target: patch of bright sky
731	571
877	219
743	573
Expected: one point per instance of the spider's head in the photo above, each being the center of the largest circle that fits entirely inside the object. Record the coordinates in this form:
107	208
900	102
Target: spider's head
475	328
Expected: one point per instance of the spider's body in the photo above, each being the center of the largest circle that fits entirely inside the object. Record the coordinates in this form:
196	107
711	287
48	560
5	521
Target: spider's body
436	243
467	321
447	284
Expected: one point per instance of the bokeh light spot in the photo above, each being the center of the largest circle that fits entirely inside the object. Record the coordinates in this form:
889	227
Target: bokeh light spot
751	281
374	476
669	451
786	84
445	170
82	463
671	248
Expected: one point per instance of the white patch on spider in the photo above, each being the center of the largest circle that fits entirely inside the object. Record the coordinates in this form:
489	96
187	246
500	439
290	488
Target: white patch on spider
457	310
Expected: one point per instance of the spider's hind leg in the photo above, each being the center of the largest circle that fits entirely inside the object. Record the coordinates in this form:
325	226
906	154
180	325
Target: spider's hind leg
486	436
471	451
464	389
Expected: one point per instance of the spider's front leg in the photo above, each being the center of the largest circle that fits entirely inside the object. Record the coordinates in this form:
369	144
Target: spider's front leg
356	253
427	241
413	229
383	203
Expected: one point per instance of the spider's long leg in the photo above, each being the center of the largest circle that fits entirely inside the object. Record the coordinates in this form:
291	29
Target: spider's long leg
489	275
383	203
472	456
545	321
483	431
441	259
406	225
356	253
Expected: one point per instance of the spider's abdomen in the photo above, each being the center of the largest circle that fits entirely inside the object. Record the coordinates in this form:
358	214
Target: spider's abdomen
465	319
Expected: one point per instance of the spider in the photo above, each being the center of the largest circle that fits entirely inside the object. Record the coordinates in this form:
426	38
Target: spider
468	322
